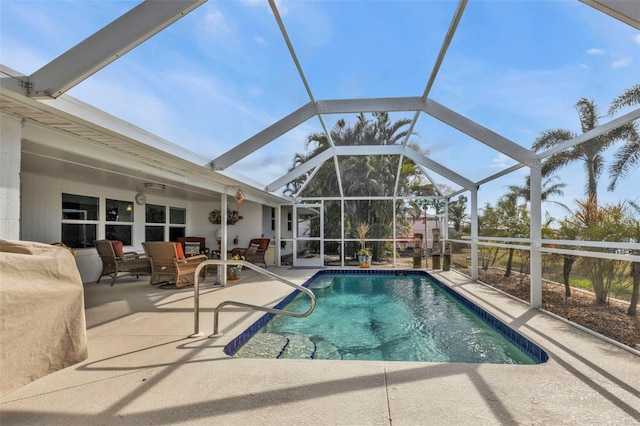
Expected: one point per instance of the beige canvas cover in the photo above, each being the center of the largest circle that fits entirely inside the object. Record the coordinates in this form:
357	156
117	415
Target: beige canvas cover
42	322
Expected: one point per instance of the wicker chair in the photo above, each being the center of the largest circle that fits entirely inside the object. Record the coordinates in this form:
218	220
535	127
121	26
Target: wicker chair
168	266
255	252
116	264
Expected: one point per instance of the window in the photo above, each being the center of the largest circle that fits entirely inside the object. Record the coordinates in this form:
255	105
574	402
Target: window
154	233
118	232
122	212
119	211
175	233
289	221
177	216
156	218
273	219
155	213
79	207
79	220
156	222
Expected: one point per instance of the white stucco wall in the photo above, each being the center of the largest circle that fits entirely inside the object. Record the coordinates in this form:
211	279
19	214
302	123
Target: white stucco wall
10	145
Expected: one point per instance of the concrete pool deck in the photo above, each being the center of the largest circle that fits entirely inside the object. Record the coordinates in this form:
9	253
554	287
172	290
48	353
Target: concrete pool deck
143	369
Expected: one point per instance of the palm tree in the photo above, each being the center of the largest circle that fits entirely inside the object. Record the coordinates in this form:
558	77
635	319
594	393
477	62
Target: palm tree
549	188
513	221
318	143
595	222
458	212
628	155
634	271
589	152
361	176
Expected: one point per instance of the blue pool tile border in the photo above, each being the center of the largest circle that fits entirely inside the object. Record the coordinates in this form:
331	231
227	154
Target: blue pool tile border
533	351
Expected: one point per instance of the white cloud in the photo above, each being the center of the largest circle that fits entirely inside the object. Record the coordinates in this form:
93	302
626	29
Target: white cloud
622	62
215	22
21	57
595	51
502	162
637	38
260	40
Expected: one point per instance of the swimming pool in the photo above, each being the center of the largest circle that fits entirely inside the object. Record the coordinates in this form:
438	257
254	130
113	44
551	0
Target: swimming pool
385	315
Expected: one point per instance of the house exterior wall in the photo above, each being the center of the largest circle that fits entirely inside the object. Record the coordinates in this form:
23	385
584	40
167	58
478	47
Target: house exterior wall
42	215
10	146
250	226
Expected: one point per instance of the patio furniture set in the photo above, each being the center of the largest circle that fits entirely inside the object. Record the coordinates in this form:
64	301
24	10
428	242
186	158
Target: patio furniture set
166	261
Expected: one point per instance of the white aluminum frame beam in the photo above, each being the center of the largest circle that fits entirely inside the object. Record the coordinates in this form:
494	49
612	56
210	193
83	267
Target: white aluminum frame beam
438	111
604	128
343	106
292	52
301	169
462	4
439	190
346	106
105	46
361	150
425	161
500	174
303	114
479	133
264	137
306	182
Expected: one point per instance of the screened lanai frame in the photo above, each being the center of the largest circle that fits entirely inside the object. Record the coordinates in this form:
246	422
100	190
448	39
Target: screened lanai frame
149	18
419	105
348	242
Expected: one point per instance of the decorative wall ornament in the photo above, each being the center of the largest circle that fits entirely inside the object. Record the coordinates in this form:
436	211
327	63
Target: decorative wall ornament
232	217
239	197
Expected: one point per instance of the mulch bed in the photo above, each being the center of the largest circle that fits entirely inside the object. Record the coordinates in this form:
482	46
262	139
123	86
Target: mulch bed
611	321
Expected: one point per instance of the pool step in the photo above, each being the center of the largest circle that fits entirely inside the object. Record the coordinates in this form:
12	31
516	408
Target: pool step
321	283
289	346
298	347
326	350
263	345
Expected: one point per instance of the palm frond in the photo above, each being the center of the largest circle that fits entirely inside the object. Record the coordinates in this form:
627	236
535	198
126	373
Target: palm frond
588	113
629	97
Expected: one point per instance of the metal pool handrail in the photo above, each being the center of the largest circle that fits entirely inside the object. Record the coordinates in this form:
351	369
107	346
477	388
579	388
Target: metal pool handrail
196	297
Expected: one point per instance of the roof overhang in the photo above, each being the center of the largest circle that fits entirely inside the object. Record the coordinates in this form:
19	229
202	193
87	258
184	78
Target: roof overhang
627	11
70	132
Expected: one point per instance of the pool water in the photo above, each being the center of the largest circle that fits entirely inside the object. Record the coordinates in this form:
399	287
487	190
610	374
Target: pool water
384	317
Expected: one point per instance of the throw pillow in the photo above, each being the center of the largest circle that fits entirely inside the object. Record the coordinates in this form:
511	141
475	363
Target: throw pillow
117	248
179	251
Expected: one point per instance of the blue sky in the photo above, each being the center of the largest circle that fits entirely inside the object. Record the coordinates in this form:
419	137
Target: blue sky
223	73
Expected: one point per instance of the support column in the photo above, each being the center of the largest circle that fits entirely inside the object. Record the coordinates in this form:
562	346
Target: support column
10	154
536	236
278	236
445	231
474	234
223	237
395	233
